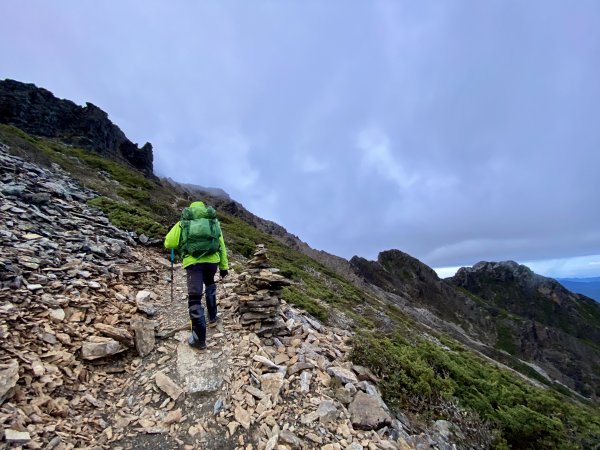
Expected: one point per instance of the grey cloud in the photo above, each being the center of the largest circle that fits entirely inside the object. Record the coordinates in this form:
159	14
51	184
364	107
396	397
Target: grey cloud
480	117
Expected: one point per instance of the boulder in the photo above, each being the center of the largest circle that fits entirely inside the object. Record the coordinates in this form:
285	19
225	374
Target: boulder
342	375
366	412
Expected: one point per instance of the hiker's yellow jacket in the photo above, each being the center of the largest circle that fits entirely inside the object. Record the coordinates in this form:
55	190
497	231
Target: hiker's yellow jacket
172	241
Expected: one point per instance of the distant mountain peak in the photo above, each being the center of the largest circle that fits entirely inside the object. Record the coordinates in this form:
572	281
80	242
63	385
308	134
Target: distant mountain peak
506	271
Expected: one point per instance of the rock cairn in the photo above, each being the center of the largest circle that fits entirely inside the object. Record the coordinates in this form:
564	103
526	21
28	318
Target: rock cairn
259	295
68	302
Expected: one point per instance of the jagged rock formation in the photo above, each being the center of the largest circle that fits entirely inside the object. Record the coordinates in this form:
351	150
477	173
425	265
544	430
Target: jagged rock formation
519	290
417	284
546	323
500	307
37	111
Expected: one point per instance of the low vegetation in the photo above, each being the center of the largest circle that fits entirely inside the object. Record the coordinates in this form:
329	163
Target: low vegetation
423	378
129	217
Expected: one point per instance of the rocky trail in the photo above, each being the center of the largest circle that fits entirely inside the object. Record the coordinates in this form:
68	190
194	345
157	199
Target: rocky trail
94	354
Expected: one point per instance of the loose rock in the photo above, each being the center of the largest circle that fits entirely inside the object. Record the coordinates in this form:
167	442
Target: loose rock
168	386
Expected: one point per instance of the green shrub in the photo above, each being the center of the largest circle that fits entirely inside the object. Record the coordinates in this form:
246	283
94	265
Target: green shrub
295	296
129	217
505	339
125	175
134	194
421	377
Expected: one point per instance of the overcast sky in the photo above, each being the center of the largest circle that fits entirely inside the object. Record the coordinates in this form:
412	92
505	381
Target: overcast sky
456	131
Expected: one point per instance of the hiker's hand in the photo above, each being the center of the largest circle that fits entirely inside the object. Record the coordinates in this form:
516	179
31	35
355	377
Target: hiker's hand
223	273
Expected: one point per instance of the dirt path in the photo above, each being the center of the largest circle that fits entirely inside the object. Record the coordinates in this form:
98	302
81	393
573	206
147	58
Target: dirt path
148	417
296	390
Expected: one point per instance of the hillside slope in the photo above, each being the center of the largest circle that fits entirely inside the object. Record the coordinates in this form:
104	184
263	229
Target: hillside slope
542	321
424	374
94	350
504	311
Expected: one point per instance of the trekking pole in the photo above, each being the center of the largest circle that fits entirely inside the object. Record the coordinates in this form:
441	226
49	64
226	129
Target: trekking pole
172	261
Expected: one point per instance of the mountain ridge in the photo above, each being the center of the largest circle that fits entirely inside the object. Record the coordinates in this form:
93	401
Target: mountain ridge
564	347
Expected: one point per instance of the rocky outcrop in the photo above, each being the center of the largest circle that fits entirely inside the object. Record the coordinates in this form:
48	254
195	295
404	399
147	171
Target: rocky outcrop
38	112
503	310
408	278
517	289
540	320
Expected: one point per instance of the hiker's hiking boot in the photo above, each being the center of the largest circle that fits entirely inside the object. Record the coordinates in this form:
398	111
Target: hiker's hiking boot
196	343
213	323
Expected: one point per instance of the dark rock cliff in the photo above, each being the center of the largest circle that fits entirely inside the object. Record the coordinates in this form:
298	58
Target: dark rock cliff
508	308
405	276
37	111
519	290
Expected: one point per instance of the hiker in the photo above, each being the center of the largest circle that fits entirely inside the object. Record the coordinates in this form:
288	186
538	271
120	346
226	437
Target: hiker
200	242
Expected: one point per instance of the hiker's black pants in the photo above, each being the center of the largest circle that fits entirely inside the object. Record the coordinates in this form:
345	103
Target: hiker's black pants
199	275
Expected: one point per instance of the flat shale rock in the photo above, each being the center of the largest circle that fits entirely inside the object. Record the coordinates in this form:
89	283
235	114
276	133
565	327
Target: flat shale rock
16	437
119	334
144	335
168	386
243	417
271	384
57	315
9	375
173	417
291	439
199	373
99	347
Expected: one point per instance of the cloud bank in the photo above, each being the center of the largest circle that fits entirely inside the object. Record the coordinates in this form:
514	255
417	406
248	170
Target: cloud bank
454	131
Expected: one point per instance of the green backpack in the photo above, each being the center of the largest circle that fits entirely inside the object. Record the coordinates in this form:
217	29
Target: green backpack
200	232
